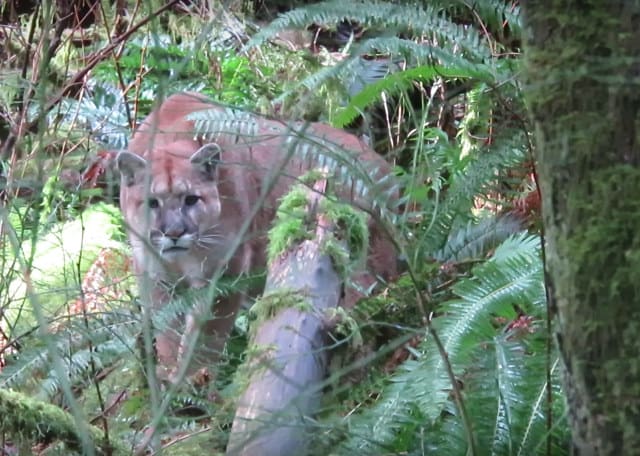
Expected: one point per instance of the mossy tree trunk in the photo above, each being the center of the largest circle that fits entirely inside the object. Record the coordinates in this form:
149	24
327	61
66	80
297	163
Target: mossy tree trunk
583	86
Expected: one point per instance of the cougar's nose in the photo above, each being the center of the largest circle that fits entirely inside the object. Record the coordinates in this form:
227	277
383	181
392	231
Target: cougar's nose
174	233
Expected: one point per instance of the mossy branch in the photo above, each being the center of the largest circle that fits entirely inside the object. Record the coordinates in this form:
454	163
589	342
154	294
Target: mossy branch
309	258
346	244
27	419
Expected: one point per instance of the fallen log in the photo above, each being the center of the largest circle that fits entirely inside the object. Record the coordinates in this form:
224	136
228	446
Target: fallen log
288	356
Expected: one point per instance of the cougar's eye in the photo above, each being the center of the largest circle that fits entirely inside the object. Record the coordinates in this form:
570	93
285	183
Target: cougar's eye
191	200
153	203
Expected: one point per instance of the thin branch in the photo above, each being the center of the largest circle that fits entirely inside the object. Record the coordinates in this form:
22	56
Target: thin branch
116	63
77	78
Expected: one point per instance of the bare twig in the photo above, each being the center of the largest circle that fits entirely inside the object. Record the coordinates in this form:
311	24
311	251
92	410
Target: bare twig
181	439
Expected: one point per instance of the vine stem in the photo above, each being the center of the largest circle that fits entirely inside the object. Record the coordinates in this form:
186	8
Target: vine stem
551	310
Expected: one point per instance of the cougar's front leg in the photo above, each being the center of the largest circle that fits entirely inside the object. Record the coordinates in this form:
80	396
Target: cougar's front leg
175	330
205	334
167	335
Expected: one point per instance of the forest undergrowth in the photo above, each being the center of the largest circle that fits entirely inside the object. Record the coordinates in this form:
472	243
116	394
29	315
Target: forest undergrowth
453	357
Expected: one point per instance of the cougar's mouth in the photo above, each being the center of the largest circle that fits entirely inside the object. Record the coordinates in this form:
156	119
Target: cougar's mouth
174	249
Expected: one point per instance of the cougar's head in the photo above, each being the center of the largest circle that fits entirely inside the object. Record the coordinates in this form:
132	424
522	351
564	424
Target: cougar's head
170	200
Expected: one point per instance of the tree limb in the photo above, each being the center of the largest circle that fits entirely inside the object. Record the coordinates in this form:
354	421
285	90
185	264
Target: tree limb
29	419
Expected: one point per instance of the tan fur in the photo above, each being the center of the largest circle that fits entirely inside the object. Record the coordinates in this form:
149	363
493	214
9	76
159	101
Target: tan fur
226	197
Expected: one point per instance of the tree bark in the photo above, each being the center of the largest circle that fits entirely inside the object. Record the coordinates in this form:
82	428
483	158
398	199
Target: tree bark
582	73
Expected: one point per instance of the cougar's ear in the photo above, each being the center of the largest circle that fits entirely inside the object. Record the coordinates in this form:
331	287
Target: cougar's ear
206	159
128	164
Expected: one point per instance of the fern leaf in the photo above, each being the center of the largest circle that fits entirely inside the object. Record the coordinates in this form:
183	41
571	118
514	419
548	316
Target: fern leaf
101	112
20	373
497	14
474	240
111	335
211	123
473	181
513	275
401	80
468	320
534	431
413	19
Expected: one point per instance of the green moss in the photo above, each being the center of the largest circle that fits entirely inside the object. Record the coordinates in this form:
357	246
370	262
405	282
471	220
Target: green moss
602	284
346	246
27	419
345	326
611	198
269	304
312	176
350	229
289	226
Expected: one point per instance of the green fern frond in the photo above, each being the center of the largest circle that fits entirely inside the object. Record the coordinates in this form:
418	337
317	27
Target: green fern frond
101	112
498	13
512	276
439	61
472	182
504	153
111	335
459	49
403	80
475	123
81	364
493	14
22	372
505	393
420	53
474	240
413	19
233	123
520	379
534	432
